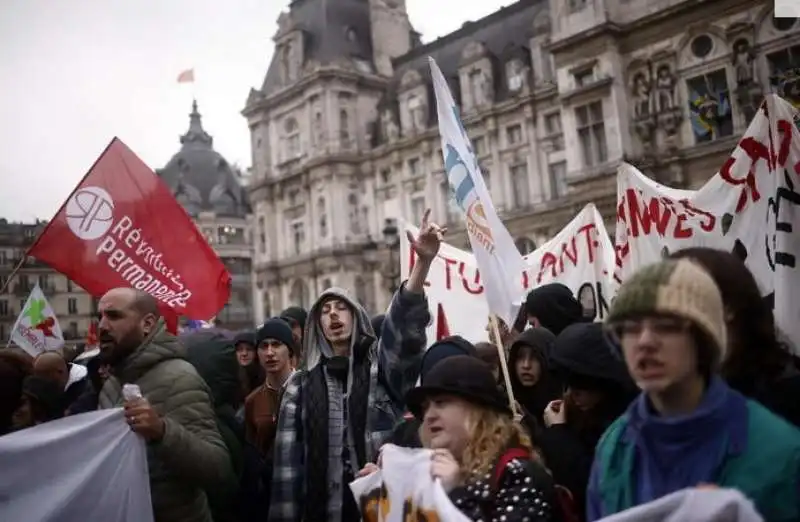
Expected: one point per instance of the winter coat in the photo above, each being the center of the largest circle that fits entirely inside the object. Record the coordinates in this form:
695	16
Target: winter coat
191	457
214	357
393	368
581	353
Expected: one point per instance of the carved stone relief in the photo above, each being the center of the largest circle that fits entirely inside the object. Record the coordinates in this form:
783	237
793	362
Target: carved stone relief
665	88
748	90
517	74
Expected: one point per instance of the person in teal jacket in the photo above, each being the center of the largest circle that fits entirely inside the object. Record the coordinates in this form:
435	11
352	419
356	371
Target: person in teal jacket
687	427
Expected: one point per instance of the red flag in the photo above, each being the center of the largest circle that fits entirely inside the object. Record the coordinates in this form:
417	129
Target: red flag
121	226
186	76
442	328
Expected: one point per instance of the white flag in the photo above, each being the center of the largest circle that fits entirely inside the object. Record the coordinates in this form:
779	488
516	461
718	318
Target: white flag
37	329
500	263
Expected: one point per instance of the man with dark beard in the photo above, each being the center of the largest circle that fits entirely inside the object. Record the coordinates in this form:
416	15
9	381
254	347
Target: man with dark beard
185	452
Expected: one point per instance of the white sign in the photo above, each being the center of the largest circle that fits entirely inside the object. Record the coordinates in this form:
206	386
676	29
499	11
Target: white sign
37	329
750	207
580	256
404	489
90	213
93	468
787	9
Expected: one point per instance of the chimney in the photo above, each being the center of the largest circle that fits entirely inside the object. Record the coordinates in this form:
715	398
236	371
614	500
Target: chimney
391	32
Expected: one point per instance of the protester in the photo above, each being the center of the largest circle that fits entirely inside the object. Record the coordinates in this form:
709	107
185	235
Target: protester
186	454
598	390
42	401
214	357
245	344
687	427
337	413
276	349
484	460
532	380
553	306
406	433
70	376
296	316
14	368
251	374
487	352
756	364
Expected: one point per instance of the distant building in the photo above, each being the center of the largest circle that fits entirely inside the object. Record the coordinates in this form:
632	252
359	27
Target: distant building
210	189
73	307
554	94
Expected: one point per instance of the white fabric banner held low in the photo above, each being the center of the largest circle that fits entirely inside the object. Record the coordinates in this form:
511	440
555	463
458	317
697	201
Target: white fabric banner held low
581	257
404	489
750	208
495	252
36	329
86	467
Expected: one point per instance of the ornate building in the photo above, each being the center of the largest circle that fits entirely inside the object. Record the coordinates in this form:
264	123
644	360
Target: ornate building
73	307
554	95
210	190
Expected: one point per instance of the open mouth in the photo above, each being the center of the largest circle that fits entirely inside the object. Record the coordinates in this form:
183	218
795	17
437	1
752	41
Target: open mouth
649	367
435	430
336	327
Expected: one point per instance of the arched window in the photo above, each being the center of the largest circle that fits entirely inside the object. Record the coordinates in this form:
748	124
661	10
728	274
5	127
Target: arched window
525	245
363	291
267	304
299	295
354	215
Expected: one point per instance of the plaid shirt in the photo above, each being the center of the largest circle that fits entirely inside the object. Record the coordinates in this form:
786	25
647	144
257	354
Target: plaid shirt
394	369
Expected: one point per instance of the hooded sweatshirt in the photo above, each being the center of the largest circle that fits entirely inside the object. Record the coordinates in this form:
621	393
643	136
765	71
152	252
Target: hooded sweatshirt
534	398
338	411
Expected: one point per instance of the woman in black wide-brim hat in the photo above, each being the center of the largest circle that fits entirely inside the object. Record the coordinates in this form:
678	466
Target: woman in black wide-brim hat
484	459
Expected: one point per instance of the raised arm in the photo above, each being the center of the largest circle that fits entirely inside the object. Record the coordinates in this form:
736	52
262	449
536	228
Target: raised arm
403	338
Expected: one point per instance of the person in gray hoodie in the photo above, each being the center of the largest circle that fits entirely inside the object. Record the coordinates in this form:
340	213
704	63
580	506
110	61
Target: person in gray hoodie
340	408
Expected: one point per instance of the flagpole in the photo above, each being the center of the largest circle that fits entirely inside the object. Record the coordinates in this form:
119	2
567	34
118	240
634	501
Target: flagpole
13	273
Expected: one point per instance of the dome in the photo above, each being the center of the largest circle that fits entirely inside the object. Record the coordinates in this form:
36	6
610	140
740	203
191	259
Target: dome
200	178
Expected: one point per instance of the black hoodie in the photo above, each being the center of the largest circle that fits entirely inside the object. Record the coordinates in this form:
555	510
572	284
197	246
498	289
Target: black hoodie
534	398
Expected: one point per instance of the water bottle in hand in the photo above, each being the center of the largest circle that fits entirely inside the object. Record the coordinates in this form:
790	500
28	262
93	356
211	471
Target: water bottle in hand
131	392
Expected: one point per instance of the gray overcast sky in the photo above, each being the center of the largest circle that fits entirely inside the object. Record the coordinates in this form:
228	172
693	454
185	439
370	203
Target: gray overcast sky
76	73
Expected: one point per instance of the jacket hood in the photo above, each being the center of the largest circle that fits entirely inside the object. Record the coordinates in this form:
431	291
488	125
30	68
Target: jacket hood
157	347
213	355
315	346
583	350
540	339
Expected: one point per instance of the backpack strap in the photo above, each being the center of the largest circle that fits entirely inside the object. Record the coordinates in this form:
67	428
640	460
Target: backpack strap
509	455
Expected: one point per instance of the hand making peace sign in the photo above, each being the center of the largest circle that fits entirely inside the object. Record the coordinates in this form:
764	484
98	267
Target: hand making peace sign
429	239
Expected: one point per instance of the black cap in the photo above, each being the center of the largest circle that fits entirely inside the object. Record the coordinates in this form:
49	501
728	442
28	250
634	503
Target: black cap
464	376
554	306
295	315
278	329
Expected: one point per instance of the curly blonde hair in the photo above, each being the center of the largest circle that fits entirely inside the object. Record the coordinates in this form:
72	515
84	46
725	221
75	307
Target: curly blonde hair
491	432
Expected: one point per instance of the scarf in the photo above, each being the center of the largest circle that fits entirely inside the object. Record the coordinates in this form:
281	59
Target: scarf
686	450
325	402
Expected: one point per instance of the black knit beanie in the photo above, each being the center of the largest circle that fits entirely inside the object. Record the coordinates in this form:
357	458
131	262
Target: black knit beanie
278	329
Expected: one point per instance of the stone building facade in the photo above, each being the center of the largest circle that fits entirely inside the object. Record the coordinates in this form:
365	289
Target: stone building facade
554	94
73	307
211	191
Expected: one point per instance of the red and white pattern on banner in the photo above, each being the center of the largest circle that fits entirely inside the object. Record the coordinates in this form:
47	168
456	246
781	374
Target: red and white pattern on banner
750	207
581	256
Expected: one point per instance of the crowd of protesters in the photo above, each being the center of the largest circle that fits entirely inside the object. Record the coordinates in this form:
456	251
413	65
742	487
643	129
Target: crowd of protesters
685	384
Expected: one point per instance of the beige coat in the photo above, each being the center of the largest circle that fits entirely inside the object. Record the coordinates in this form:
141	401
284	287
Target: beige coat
192	457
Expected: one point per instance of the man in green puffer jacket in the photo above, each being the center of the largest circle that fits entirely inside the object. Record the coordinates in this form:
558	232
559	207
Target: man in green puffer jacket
186	455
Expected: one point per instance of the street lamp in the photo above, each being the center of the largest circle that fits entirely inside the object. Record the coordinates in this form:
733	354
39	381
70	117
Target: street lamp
391	237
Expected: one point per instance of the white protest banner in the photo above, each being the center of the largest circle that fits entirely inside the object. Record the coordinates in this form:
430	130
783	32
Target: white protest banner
36	329
85	467
750	208
495	252
403	489
580	256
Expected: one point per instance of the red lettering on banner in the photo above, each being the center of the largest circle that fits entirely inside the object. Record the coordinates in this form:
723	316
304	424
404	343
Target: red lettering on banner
464	280
659	212
757	151
448	278
568	255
